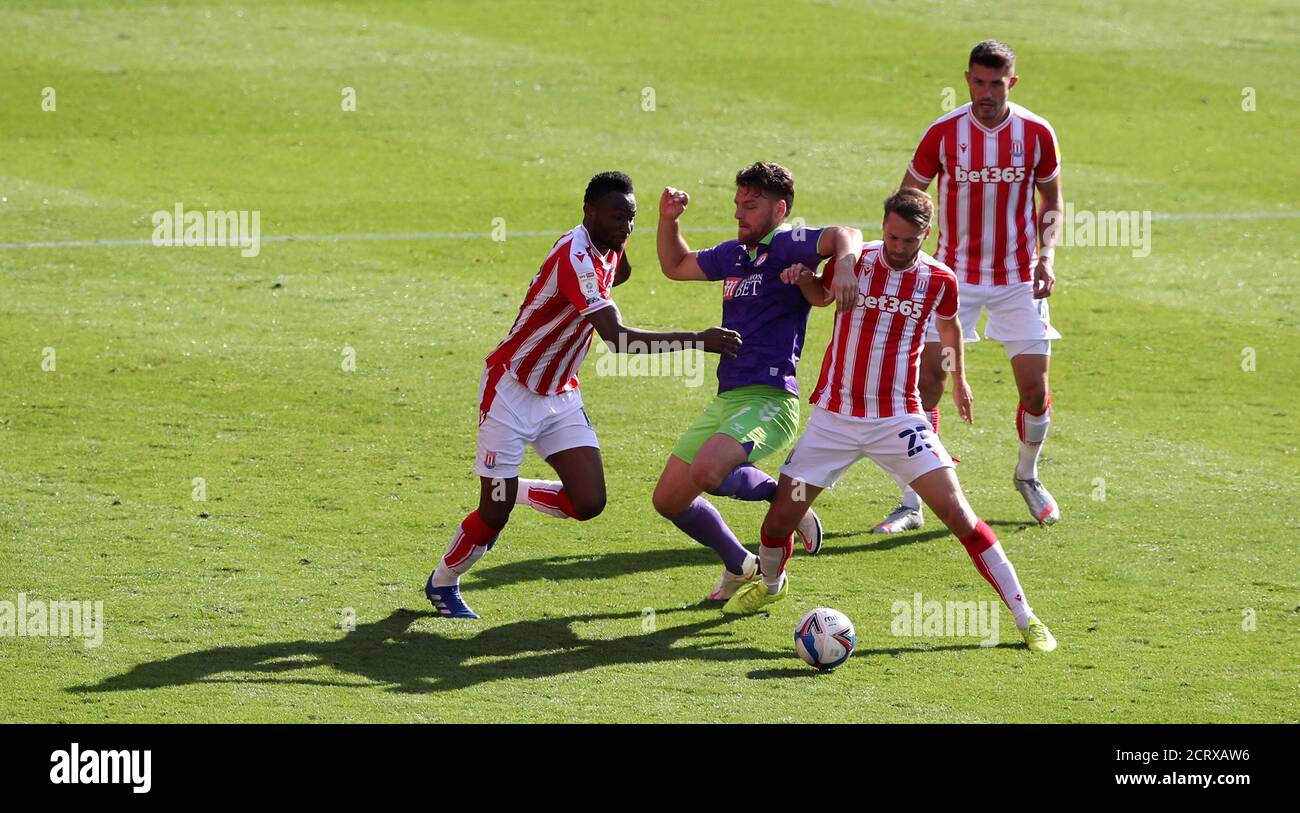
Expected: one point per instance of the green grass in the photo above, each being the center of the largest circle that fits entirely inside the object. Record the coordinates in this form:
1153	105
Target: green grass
329	489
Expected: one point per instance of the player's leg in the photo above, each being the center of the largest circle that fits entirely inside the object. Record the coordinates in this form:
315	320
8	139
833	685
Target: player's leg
677	499
1033	417
582	478
942	493
567	442
932	375
1024	326
702	460
829	445
931	378
501	443
746	482
475	536
763	421
791	503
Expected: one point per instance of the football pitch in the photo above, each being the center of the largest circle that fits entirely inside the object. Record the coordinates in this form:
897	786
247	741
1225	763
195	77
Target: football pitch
253	462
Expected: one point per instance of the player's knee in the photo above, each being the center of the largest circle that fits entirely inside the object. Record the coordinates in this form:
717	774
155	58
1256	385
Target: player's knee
661	504
706	477
960	521
956	515
1034	398
588	506
666	504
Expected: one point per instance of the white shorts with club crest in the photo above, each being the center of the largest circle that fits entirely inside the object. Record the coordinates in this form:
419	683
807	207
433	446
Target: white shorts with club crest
517	417
904	446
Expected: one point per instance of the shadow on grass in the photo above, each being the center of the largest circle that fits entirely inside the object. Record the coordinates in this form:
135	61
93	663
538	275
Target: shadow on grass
597	566
883	542
858	654
388	652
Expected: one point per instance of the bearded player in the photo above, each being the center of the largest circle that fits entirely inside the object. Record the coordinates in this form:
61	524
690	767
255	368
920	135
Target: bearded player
867	405
756	410
529	392
990	157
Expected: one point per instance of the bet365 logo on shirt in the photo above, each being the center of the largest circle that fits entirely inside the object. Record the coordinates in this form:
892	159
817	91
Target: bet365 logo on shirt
892	304
989	175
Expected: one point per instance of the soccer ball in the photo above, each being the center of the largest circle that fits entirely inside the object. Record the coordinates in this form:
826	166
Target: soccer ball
825	638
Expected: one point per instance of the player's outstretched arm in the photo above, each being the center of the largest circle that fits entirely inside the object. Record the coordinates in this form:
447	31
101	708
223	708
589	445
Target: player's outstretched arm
676	259
954	362
1051	208
844	244
620	338
810	285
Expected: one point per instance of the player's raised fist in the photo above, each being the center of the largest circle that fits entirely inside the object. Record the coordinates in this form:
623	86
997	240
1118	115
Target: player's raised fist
672	203
721	340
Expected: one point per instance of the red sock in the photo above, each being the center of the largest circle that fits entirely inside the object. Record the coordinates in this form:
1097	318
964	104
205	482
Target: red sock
474	533
773	552
980	539
554	499
933	415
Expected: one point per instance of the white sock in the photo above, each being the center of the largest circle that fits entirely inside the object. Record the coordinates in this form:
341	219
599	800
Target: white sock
772	559
1000	572
471	541
1033	431
911	499
773	584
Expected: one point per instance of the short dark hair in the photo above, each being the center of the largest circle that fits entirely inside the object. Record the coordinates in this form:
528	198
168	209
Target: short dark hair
601	185
911	204
769	179
993	54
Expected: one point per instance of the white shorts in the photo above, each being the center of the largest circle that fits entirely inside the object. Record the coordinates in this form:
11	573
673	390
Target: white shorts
517	417
904	446
1015	316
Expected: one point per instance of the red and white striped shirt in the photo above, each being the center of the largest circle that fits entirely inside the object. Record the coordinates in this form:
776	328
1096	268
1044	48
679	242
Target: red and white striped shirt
870	366
550	337
988	218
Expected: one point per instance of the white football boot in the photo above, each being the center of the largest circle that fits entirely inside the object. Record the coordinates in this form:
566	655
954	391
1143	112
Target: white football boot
731	582
1042	507
900	519
810	532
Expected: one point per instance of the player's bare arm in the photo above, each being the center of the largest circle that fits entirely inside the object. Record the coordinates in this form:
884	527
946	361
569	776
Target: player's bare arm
810	284
623	272
676	259
608	322
954	360
845	245
1051	208
910	181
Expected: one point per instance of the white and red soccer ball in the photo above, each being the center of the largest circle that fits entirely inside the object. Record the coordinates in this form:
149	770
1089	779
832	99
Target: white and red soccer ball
825	638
